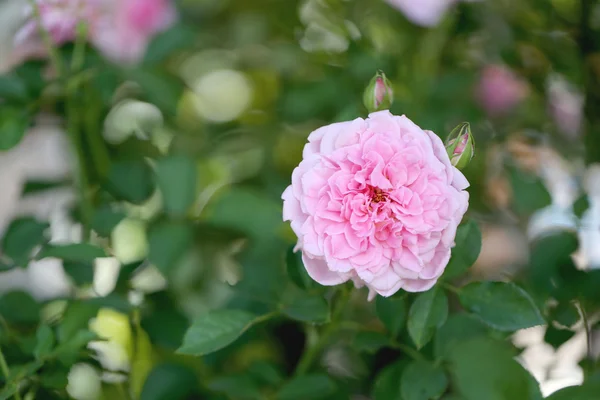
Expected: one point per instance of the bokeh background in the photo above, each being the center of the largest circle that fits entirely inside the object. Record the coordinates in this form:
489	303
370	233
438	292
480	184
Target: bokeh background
239	84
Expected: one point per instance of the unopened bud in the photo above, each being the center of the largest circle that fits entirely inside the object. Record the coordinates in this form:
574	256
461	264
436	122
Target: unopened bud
129	241
379	94
84	382
460	145
115	347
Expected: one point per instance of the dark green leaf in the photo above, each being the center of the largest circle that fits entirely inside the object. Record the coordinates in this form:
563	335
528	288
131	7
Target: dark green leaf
176	177
423	381
160	89
503	306
23	235
130	180
588	391
12	88
392	312
580	205
308	308
45	341
296	270
168	243
76	252
13	124
75	318
71	349
8	391
167	42
266	373
304	387
387	383
467	249
556	337
81	273
486	369
19	307
458	328
370	341
529	192
215	330
169	382
55	379
565	313
428	312
105	219
236	387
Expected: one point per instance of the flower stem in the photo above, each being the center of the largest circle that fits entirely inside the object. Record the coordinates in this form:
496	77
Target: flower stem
6	372
52	51
311	354
414	354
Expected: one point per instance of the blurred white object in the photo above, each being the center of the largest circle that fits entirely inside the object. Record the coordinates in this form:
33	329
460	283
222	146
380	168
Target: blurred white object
148	280
589	232
106	274
565	105
113	351
129	241
131	117
222	95
84	382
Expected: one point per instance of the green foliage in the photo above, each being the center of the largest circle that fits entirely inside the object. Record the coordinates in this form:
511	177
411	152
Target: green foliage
427	313
423	381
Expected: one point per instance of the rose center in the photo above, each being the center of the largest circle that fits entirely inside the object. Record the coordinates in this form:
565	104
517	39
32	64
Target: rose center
378	195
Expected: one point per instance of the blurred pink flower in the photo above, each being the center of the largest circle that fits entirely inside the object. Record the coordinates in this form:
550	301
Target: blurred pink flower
500	90
121	29
376	201
423	12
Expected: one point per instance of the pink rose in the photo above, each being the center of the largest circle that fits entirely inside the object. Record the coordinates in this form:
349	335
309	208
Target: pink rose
500	90
376	201
121	29
423	12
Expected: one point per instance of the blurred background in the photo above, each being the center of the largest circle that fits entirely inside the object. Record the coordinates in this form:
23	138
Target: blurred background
239	85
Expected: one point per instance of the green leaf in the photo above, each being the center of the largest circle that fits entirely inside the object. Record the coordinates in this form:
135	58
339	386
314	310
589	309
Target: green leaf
76	252
392	312
141	363
75	318
105	219
160	88
169	382
483	368
12	88
21	238
45	341
296	270
464	254
9	390
168	242
423	381
266	373
236	387
503	306
81	273
308	308
427	313
19	307
165	43
130	180
13	124
529	192
176	177
556	337
370	341
215	330
458	328
387	385
588	391
581	205
565	313
314	386
70	350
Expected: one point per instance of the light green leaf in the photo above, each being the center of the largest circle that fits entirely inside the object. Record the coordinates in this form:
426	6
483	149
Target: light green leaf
423	381
215	330
19	307
22	236
315	386
464	254
142	361
308	308
428	312
503	306
392	312
168	243
45	341
176	177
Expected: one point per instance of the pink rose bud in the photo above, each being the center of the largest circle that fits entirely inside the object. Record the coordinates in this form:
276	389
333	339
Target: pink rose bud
376	201
379	94
461	146
500	90
426	13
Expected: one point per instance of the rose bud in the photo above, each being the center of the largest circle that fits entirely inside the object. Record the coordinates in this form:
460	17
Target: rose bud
379	94
129	241
461	146
115	345
376	201
84	382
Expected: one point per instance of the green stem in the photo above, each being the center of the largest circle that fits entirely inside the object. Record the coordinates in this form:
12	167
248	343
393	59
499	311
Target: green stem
52	51
6	372
78	56
451	288
311	354
414	354
586	325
